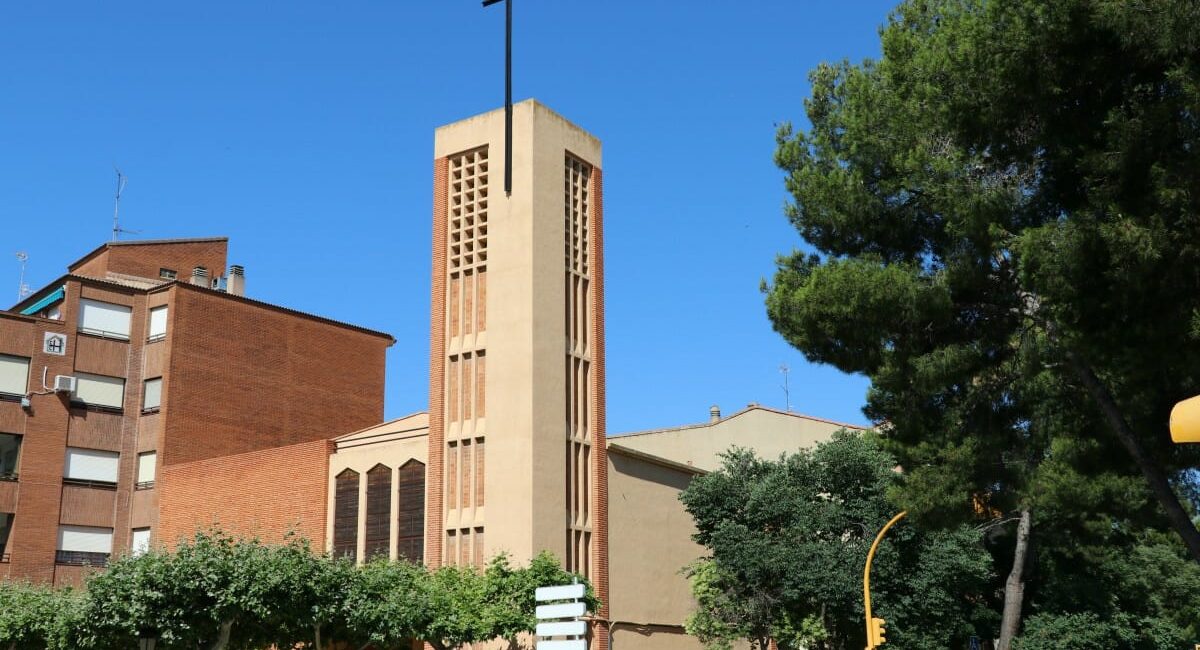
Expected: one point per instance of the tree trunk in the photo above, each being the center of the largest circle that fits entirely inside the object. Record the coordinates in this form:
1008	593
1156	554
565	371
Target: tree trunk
1159	485
1014	588
222	637
317	636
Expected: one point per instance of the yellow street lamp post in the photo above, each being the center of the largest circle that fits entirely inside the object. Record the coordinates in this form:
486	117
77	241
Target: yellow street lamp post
875	626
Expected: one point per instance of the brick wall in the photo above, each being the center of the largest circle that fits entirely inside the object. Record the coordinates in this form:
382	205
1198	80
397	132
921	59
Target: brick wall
264	493
145	260
43	428
244	376
436	472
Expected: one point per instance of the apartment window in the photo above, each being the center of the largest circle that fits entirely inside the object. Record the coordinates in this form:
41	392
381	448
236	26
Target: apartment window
158	324
14	375
140	541
410	483
10	456
345	515
167	274
151	395
55	312
6	520
98	390
147	463
91	467
83	545
104	319
379	509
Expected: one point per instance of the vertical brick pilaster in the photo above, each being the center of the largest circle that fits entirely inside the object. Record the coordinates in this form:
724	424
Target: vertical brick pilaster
597	410
435	480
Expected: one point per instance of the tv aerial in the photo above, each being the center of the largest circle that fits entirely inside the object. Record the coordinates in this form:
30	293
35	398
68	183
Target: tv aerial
22	288
122	180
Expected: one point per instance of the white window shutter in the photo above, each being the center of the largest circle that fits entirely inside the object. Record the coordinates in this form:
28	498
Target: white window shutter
14	375
100	390
91	465
141	541
146	466
152	395
85	539
158	322
103	318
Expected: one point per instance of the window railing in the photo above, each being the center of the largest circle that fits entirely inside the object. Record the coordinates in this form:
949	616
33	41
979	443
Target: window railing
155	338
81	558
9	475
150	410
5	557
144	485
82	482
116	336
99	408
11	397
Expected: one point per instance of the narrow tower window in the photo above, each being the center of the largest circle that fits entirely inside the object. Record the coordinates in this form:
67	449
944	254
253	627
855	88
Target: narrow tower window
345	515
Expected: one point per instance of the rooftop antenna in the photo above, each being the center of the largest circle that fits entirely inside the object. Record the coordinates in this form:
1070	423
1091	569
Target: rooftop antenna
122	180
22	288
787	395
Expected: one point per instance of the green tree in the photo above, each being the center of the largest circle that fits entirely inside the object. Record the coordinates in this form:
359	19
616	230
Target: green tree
787	540
469	606
1004	208
36	617
216	591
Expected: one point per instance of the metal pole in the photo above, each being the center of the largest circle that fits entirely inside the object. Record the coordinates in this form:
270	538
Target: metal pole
507	92
508	143
867	572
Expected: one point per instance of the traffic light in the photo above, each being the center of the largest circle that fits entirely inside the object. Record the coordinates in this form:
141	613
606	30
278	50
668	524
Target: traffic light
1185	421
877	633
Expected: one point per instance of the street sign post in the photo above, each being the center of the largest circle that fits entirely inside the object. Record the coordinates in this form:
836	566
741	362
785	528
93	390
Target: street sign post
559	626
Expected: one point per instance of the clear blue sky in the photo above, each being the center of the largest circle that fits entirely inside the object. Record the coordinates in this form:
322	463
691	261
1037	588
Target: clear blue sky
303	131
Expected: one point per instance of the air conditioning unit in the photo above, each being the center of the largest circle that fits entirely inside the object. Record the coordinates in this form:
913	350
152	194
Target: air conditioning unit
64	384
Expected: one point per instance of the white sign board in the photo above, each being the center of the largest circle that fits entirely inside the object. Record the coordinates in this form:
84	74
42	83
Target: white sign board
562	628
560	618
561	610
563	592
54	343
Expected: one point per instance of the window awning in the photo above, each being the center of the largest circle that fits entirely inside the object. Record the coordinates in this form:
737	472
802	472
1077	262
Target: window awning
50	299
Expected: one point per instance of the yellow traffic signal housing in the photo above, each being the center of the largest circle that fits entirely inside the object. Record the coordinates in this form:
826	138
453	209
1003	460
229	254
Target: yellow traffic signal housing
877	633
1185	421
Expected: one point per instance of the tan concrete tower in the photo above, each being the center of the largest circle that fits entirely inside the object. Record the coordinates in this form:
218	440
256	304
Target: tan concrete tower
516	440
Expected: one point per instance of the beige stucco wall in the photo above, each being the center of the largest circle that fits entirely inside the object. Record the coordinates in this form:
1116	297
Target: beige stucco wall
767	431
649	544
525	339
393	444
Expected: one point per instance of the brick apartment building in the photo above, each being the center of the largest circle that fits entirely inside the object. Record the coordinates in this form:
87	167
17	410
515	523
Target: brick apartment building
144	357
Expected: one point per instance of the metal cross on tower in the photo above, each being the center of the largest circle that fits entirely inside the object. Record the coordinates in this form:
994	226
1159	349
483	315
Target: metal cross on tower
507	92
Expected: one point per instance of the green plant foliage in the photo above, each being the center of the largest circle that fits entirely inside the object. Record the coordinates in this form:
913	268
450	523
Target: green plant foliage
36	617
1003	204
221	592
787	540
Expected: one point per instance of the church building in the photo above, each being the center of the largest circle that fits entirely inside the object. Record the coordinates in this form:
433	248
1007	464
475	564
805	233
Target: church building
512	455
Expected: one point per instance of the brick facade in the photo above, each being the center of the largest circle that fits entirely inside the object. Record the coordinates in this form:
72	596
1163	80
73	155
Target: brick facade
597	413
435	472
244	376
237	376
265	494
145	259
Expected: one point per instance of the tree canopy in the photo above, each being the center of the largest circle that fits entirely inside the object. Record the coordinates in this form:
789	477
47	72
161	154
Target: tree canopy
1003	215
1005	210
220	592
787	540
